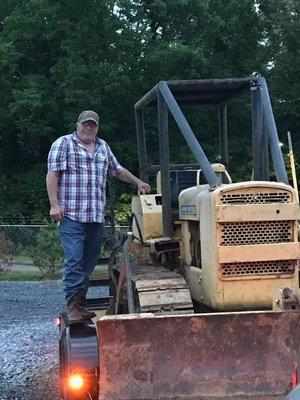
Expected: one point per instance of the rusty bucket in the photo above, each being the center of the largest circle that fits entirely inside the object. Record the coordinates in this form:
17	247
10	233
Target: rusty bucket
244	355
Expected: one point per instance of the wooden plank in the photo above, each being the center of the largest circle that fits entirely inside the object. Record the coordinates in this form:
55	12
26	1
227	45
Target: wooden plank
162	284
151	270
164	298
160	290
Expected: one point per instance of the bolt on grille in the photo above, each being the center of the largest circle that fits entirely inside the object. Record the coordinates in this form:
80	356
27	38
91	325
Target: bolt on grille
256	198
277	267
256	232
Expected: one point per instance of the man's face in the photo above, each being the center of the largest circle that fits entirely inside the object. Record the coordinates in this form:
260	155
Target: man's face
87	131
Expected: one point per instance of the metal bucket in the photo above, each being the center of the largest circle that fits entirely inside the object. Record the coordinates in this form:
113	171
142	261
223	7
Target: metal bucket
236	356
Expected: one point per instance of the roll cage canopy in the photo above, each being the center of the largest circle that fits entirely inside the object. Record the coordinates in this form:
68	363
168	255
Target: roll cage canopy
168	96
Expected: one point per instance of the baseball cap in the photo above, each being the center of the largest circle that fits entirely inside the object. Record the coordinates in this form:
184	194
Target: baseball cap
88	115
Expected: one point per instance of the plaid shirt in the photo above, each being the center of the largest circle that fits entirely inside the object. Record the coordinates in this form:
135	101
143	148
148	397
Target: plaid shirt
82	182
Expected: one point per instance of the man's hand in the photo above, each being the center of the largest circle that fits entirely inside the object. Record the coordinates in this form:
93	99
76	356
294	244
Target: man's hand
127	176
143	187
56	213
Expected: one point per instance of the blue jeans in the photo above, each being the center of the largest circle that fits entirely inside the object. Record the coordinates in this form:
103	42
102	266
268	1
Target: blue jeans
81	243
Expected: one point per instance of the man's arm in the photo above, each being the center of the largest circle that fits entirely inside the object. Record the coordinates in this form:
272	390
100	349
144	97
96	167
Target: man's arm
128	177
52	185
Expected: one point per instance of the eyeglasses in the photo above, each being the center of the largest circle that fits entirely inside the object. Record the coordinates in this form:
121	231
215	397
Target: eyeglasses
89	123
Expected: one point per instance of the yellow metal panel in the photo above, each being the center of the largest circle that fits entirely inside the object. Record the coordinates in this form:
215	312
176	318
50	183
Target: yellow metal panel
262	252
254	188
254	290
249	294
261	212
149	216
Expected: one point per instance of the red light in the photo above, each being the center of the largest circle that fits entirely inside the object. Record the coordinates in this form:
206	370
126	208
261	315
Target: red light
295	379
75	382
57	321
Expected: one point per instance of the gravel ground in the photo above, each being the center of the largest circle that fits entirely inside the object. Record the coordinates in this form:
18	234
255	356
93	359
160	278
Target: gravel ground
29	340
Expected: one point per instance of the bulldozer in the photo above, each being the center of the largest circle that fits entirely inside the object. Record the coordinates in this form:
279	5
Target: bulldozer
211	311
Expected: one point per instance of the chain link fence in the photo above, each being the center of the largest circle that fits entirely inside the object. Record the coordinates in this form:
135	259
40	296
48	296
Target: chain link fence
23	238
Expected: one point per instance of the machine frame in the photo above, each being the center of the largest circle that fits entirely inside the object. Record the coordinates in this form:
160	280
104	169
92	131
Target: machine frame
167	96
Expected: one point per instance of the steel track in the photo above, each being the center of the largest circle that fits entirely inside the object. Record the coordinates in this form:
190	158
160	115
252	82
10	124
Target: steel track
161	291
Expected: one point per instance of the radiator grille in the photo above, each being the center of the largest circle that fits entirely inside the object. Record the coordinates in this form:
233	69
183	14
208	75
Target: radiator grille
256	197
258	268
256	232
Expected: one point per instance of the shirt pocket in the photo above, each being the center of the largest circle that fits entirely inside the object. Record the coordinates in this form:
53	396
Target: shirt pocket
101	167
78	162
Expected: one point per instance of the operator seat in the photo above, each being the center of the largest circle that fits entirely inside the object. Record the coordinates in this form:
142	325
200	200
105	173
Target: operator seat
184	178
179	180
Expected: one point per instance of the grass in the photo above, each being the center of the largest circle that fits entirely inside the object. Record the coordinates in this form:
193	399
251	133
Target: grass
33	274
100	272
21	276
23	259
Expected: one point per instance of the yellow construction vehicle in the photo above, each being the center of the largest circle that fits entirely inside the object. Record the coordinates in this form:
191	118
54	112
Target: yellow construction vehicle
214	311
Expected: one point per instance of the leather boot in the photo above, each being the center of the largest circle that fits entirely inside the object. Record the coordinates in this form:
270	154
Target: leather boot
83	304
74	310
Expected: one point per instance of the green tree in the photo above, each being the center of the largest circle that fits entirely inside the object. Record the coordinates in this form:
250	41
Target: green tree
56	60
48	254
6	254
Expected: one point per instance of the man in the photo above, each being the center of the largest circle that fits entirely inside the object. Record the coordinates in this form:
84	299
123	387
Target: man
78	165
